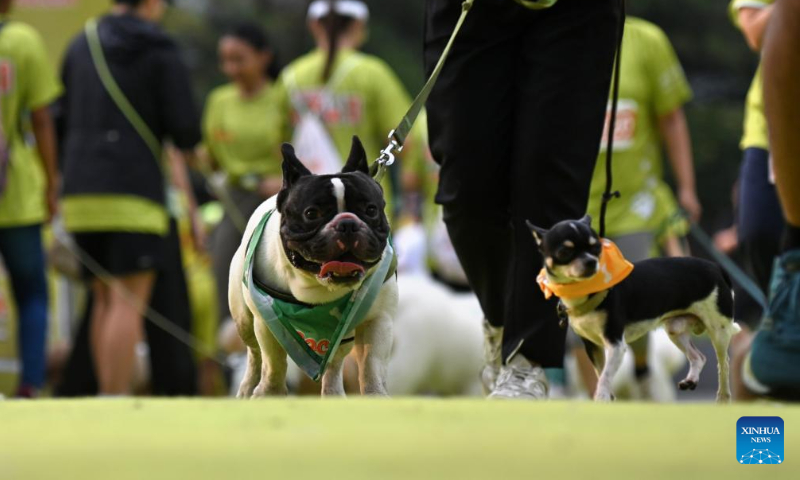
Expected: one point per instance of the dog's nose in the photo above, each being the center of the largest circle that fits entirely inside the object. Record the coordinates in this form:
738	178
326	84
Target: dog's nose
589	263
347	226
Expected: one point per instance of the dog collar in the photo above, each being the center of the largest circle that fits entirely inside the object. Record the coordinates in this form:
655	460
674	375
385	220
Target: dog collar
613	269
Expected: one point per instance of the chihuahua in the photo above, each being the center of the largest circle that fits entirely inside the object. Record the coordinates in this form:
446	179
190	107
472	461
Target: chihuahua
610	302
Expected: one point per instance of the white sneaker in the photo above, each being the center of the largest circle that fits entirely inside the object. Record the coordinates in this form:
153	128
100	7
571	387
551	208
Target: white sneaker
520	379
492	355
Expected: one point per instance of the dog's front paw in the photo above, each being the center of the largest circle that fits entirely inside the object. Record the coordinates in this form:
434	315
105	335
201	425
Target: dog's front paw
603	396
377	394
687	384
266	390
242	393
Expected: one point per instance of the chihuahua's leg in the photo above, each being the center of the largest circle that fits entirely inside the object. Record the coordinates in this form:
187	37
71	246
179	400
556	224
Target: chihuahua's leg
678	329
333	380
721	339
596	355
614	354
373	349
252	373
273	364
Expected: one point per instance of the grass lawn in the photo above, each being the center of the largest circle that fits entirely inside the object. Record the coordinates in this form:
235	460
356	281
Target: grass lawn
366	438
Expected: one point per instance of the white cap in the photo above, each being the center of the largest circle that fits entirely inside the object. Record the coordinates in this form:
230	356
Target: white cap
347	8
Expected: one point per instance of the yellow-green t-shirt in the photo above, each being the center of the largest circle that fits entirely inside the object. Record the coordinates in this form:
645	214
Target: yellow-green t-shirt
27	82
243	134
367	101
652	84
755	122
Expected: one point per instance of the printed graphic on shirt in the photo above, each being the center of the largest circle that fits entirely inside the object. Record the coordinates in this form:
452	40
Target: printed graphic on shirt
332	109
625	126
7	79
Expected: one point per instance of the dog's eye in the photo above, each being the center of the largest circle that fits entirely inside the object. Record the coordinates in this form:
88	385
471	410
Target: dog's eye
563	254
312	213
372	210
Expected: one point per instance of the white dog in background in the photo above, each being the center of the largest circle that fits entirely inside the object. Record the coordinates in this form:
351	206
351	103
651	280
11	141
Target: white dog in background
438	340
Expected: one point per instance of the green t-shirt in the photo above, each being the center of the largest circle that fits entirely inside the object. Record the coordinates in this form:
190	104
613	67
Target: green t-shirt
367	101
242	134
755	122
27	82
652	84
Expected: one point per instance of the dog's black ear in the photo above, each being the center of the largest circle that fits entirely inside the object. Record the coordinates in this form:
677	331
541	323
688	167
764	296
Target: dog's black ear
293	168
538	233
357	161
587	220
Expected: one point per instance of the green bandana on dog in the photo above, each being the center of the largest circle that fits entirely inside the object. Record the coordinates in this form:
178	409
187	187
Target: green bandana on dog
311	334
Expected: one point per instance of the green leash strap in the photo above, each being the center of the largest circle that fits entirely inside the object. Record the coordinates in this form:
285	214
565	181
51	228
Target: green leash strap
736	273
119	98
397	137
358	304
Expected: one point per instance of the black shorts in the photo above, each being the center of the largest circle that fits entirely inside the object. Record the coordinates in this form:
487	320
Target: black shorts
121	253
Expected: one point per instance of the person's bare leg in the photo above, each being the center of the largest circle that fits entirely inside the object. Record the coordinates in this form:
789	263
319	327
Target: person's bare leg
586	370
781	70
101	296
123	324
740	347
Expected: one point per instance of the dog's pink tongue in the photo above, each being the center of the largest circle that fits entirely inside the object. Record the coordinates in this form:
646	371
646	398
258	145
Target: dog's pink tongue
342	269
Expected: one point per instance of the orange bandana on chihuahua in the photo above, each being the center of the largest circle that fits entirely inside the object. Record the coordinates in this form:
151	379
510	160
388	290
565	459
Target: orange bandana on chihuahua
613	269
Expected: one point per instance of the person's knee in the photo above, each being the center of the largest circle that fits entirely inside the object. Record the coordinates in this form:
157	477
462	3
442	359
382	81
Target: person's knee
129	295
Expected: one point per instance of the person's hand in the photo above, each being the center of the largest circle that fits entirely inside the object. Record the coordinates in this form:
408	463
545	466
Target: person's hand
270	186
726	241
689	202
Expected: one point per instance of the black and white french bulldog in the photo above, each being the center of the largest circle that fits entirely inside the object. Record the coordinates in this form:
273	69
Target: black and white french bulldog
686	295
327	234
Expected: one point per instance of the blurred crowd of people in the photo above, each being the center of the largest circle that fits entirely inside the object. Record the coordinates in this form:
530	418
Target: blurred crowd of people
148	197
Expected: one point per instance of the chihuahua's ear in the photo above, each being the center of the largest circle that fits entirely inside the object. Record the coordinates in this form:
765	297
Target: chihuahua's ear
293	168
587	220
357	161
538	233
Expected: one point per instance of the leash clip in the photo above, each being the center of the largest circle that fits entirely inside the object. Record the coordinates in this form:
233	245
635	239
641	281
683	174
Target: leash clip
386	157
